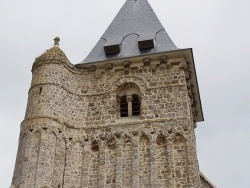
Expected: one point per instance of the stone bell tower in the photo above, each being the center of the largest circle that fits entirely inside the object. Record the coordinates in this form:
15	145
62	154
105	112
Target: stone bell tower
124	117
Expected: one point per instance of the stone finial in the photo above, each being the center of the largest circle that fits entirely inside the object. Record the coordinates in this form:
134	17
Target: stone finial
56	41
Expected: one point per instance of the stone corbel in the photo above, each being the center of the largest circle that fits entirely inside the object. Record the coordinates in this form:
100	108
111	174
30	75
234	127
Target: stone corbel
99	73
139	66
108	66
146	61
126	67
126	64
163	59
118	67
154	65
177	62
136	64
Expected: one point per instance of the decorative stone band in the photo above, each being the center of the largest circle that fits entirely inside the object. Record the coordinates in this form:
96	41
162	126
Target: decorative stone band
26	126
127	64
152	141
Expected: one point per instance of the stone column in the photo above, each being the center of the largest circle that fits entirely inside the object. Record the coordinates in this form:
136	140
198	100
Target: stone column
102	170
119	164
16	174
26	161
86	160
129	100
171	178
17	178
46	158
153	156
33	161
60	161
135	142
193	168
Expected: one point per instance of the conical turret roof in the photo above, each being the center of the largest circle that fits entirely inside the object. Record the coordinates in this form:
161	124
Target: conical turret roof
135	31
54	53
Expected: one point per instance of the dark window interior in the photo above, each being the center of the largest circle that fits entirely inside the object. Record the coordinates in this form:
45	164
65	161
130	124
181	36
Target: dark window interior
136	105
124	107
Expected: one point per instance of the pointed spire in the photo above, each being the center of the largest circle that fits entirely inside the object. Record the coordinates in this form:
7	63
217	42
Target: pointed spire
135	30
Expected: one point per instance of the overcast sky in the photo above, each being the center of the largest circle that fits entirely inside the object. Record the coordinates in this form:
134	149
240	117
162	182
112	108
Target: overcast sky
217	30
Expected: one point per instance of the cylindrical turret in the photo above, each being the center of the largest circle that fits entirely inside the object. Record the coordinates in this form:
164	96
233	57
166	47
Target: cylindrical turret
41	151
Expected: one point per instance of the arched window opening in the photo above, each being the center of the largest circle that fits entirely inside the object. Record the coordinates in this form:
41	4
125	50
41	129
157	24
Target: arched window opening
129	101
124	107
136	106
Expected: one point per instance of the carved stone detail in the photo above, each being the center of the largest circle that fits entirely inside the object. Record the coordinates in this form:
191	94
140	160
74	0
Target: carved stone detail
108	66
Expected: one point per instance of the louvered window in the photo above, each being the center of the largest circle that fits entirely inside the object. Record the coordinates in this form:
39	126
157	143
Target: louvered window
136	106
130	105
128	100
124	106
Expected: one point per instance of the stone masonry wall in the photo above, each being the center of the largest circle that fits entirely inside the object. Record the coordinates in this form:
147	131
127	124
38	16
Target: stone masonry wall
82	100
73	136
139	163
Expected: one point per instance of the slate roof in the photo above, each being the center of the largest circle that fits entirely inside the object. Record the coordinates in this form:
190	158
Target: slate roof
136	21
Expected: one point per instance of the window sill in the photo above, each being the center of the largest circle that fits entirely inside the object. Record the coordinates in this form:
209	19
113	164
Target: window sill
128	119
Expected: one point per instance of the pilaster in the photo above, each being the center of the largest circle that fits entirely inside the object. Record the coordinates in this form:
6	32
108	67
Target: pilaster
171	179
135	142
119	163
85	170
102	170
153	157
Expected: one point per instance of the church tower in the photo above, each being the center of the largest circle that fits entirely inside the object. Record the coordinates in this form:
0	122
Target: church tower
124	117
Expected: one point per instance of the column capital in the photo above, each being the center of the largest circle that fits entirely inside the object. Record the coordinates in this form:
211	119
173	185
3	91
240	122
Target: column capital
129	98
